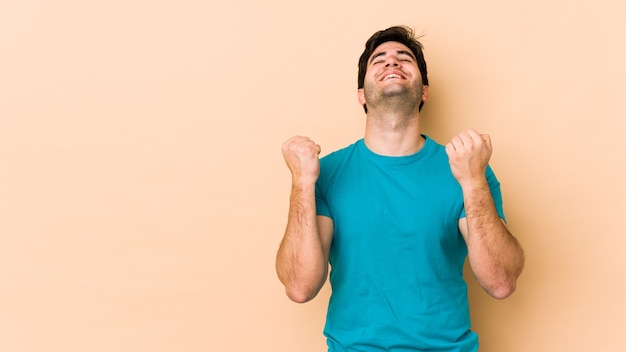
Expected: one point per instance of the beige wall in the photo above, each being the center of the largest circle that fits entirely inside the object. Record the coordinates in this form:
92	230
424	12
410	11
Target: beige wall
143	194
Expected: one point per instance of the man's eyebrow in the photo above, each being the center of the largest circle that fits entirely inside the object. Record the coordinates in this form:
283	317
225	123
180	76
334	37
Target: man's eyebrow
382	53
400	52
408	53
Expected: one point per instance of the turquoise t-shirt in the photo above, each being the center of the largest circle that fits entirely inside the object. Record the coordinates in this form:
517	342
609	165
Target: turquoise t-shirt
397	254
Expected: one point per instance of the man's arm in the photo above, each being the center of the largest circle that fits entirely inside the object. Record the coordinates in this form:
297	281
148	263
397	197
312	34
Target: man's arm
302	258
495	256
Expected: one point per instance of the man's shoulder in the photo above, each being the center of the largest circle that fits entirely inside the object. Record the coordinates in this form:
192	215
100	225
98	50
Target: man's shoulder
342	152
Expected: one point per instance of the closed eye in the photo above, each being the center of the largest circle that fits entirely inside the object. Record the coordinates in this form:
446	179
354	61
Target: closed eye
406	56
402	55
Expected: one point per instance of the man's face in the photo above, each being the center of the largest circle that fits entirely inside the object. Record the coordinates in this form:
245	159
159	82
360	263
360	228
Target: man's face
392	72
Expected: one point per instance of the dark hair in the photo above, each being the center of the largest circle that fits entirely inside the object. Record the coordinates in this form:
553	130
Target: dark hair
400	34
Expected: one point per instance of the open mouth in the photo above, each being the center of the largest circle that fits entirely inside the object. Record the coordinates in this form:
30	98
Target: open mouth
392	75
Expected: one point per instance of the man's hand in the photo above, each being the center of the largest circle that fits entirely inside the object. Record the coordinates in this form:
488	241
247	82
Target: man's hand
302	157
469	154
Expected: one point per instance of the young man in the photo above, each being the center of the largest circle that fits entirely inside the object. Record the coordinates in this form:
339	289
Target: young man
396	215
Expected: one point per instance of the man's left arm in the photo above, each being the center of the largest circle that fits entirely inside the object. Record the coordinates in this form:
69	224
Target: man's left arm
495	256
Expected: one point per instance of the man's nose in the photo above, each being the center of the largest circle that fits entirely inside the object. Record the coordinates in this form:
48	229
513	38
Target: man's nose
391	61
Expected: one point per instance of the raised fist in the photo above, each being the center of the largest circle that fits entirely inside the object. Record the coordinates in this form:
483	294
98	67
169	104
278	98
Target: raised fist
469	153
302	157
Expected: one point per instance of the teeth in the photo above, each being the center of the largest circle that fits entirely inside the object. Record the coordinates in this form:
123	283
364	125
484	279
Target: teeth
393	75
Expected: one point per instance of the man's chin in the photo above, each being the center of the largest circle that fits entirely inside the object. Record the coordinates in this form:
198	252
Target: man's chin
397	91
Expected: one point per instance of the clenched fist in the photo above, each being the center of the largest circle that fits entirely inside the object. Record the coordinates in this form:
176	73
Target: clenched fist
302	157
469	154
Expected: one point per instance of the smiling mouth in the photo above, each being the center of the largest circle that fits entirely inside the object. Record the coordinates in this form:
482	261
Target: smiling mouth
391	75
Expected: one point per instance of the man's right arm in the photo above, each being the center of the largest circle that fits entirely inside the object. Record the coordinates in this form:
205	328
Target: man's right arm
302	258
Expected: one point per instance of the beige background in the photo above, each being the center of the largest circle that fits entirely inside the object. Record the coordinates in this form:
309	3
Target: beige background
143	193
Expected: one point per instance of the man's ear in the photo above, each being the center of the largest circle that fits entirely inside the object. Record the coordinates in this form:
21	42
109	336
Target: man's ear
360	96
425	94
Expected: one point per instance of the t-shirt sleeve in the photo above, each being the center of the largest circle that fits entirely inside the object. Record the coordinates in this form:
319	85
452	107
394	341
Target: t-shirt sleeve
496	193
320	201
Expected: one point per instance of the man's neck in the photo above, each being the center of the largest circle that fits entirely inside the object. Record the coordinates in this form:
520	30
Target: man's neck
393	133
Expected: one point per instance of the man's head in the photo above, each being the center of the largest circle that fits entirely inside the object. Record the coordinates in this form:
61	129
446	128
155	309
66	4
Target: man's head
400	34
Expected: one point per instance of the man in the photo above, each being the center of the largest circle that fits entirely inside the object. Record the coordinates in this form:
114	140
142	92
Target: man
396	215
